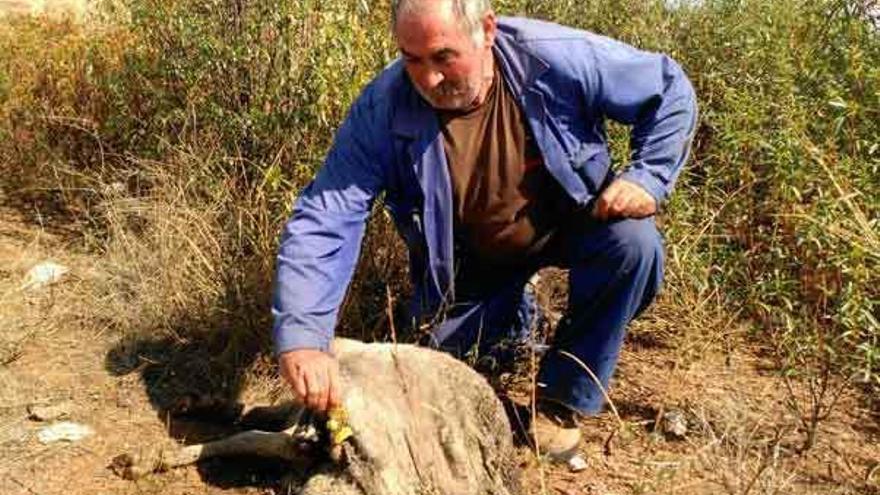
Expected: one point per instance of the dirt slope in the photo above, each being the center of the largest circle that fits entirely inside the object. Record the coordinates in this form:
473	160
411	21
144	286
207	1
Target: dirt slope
740	440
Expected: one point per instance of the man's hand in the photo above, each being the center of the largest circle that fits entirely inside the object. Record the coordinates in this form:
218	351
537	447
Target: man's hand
314	377
624	199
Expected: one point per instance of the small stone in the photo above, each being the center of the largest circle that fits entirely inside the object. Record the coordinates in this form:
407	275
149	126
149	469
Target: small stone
48	413
577	464
674	424
64	431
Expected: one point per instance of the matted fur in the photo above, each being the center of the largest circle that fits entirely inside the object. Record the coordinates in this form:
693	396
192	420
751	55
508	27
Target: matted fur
423	422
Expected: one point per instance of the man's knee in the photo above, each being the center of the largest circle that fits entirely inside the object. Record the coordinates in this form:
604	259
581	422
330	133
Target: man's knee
634	243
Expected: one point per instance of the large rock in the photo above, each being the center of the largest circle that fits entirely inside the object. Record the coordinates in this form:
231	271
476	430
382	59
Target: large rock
424	423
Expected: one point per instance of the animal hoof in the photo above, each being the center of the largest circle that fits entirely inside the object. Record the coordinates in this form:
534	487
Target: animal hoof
128	467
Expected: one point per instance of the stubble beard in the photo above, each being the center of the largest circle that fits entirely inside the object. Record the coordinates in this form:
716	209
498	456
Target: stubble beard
464	95
451	97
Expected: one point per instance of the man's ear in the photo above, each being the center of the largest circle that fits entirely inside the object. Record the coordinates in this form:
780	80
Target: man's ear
489	27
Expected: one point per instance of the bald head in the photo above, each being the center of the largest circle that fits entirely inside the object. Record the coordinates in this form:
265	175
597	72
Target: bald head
468	14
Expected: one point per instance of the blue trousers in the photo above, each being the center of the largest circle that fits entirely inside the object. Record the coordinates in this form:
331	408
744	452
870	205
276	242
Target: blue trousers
615	270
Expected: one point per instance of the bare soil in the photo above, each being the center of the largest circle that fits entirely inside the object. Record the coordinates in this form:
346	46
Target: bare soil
742	436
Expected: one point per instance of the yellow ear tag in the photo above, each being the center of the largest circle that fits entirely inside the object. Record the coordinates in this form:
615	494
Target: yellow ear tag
337	425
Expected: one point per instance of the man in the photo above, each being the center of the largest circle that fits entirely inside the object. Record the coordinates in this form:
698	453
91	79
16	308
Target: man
487	137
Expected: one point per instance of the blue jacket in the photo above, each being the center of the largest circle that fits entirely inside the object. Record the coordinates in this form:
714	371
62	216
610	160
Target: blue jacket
566	81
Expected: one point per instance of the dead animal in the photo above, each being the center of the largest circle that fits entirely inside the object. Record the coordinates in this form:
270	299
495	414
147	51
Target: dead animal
420	422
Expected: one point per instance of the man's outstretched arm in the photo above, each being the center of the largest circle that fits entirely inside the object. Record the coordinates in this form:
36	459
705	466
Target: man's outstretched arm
650	92
317	256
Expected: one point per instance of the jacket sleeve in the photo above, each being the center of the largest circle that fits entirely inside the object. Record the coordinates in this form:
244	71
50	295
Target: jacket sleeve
321	241
650	92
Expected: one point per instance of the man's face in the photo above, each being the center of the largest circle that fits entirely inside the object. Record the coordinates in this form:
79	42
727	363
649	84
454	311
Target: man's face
443	61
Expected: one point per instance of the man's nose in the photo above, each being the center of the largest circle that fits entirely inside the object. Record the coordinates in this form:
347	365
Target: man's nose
430	79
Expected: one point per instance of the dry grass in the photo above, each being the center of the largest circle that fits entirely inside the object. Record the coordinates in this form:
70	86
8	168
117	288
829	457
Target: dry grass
742	432
744	438
172	256
57	8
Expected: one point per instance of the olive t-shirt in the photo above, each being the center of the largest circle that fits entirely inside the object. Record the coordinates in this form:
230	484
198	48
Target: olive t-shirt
506	202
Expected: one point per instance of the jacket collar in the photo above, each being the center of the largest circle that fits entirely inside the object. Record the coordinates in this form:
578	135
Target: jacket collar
520	67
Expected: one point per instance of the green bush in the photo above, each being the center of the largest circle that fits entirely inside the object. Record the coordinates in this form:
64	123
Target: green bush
778	209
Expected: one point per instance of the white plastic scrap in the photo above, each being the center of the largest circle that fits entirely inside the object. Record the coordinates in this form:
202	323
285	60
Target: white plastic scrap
65	431
577	464
43	274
